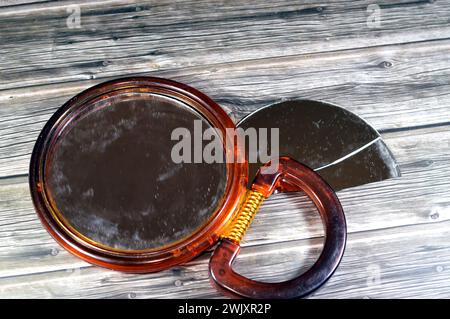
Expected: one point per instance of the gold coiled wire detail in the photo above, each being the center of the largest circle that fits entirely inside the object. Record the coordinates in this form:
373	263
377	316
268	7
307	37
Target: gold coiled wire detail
239	225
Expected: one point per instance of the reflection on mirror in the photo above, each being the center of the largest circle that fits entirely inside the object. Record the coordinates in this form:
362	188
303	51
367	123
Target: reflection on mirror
111	178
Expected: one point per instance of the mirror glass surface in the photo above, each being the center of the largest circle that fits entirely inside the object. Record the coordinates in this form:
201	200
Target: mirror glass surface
111	176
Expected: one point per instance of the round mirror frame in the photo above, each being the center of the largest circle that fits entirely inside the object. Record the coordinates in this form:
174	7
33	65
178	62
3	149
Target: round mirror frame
143	260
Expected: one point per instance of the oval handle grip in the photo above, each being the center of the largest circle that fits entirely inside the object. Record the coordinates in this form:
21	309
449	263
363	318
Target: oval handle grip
289	175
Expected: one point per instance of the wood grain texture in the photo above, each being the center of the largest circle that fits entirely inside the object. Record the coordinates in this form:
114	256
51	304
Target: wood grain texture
414	90
245	55
9	3
409	268
128	37
424	157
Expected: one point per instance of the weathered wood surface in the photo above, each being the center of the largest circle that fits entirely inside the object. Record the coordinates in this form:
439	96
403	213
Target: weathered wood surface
126	37
416	86
244	55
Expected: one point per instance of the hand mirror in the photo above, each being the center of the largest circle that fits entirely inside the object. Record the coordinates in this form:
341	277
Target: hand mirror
106	186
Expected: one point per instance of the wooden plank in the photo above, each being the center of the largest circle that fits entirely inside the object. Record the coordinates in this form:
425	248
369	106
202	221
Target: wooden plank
413	91
389	263
420	197
38	46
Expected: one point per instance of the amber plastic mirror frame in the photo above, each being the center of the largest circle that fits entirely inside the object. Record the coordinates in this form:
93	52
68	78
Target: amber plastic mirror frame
145	260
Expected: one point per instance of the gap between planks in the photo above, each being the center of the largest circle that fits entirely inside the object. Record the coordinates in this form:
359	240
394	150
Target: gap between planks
413	91
390	254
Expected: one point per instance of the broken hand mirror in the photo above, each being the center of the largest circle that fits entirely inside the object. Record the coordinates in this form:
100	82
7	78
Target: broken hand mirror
118	180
